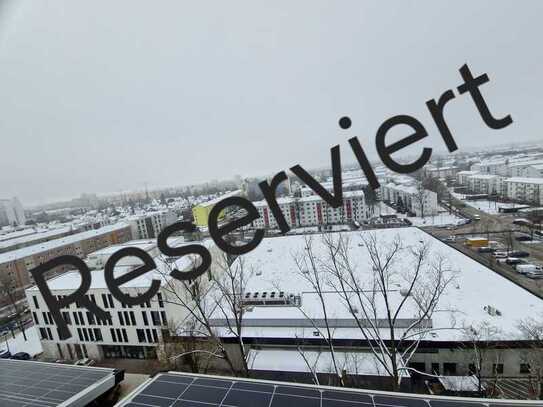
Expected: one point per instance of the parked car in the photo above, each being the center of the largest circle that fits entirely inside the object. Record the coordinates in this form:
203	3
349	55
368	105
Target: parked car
5	354
476	217
84	362
500	255
450	238
486	249
519	253
21	356
513	260
523	238
529	268
534	274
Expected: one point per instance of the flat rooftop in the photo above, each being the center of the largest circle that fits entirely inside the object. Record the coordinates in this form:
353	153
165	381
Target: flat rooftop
463	304
70	280
53	244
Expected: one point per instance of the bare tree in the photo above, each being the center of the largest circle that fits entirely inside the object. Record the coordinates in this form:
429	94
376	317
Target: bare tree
196	307
230	284
532	330
420	197
481	338
8	291
310	268
393	321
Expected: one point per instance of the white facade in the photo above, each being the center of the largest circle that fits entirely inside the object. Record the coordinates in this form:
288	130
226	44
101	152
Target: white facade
313	211
526	190
132	332
418	202
149	225
486	184
462	176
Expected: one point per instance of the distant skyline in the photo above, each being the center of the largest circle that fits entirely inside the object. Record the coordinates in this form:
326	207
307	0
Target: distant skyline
107	96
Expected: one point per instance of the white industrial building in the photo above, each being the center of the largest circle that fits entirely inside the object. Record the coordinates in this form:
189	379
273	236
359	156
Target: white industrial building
275	330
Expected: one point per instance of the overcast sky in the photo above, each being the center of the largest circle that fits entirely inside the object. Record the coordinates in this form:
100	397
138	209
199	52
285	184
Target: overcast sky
103	96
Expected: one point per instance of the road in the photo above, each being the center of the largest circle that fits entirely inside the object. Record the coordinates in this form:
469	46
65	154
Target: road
498	228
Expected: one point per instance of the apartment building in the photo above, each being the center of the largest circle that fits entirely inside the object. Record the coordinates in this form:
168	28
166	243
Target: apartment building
149	225
486	184
34	237
441	172
414	200
526	190
312	210
16	264
462	176
494	167
201	211
130	332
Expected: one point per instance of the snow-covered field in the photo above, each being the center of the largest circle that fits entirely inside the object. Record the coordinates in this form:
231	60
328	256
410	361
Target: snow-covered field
443	218
32	345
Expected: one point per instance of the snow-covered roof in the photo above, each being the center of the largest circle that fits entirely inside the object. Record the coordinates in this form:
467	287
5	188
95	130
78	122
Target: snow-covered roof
214	201
464	303
53	244
33	236
72	279
525	180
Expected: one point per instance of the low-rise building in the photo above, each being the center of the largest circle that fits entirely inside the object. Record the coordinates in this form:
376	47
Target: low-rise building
486	184
201	211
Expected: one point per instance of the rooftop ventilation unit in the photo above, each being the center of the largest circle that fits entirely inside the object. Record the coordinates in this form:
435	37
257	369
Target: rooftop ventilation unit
271	298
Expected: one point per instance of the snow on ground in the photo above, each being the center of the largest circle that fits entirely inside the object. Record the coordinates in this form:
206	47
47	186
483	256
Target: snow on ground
32	346
490	207
443	218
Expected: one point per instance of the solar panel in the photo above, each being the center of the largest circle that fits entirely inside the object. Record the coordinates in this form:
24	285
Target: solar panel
175	389
32	384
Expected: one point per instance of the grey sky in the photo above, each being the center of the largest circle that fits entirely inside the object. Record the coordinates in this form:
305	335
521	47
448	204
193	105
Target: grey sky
99	96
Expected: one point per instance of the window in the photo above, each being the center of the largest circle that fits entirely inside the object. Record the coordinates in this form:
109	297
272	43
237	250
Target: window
105	301
113	336
155	336
66	317
45	319
125	336
132	318
111	304
164	318
160	300
120	315
155	317
80	334
35	302
145	320
435	368
35	317
524	368
472	370
449	369
43	334
90	318
141	335
497	368
98	335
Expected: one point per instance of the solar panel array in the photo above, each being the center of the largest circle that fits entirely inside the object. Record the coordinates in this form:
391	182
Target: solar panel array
32	384
178	390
